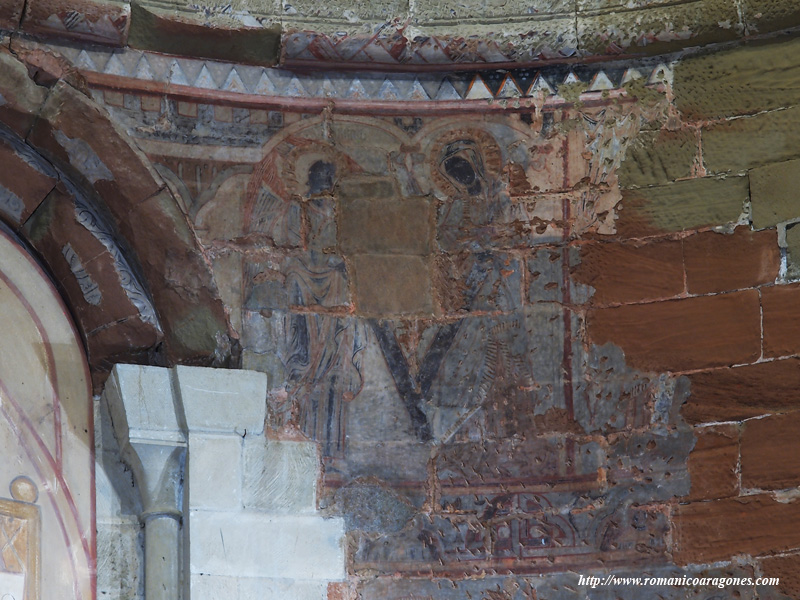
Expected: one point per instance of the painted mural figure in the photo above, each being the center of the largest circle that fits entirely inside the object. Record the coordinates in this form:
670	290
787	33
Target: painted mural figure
472	411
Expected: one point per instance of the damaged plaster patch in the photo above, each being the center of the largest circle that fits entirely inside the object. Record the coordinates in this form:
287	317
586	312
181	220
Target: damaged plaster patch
89	289
83	158
11	204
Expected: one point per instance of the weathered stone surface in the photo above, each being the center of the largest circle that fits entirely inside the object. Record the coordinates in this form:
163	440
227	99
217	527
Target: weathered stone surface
724	262
120	559
478	281
774	193
307	14
713	463
256	546
75	132
568	585
771	452
631	272
659	157
793	251
682	206
745	80
386	226
743	392
80	262
22	98
222	401
128	341
179	278
280	477
720	529
27	181
11	14
546	274
655	28
392	285
654	461
787	569
740	144
352	189
684	334
780	305
152	30
215	471
85	20
368	506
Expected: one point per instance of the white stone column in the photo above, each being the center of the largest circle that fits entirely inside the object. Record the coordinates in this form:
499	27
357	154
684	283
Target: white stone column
244	504
153	443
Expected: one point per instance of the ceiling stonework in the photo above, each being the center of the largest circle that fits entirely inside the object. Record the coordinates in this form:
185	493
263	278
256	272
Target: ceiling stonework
403	34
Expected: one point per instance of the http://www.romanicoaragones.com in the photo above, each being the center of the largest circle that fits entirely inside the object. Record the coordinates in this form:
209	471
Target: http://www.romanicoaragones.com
684	581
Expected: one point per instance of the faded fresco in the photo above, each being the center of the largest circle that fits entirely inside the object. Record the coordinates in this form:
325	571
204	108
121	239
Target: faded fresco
406	283
537	323
46	506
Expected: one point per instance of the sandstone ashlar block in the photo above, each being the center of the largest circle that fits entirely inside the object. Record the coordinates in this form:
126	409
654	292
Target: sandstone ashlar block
386	225
684	334
713	463
682	206
254	545
717	262
257	588
280	477
743	392
140	402
745	80
376	188
215	471
26	181
658	157
780	306
214	587
720	529
223	401
120	558
771	452
631	272
388	284
22	98
787	569
775	193
749	142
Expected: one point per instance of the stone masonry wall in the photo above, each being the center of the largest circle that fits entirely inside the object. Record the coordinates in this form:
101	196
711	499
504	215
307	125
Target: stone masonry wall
530	342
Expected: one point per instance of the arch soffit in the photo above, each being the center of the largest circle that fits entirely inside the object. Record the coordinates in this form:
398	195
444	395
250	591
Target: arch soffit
88	201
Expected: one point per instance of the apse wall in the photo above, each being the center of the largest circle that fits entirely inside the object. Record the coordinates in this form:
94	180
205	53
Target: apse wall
538	323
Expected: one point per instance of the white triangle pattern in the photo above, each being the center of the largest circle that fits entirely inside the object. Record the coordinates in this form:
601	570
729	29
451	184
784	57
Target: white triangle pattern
114	66
478	90
294	86
234	83
143	70
176	74
601	82
205	80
